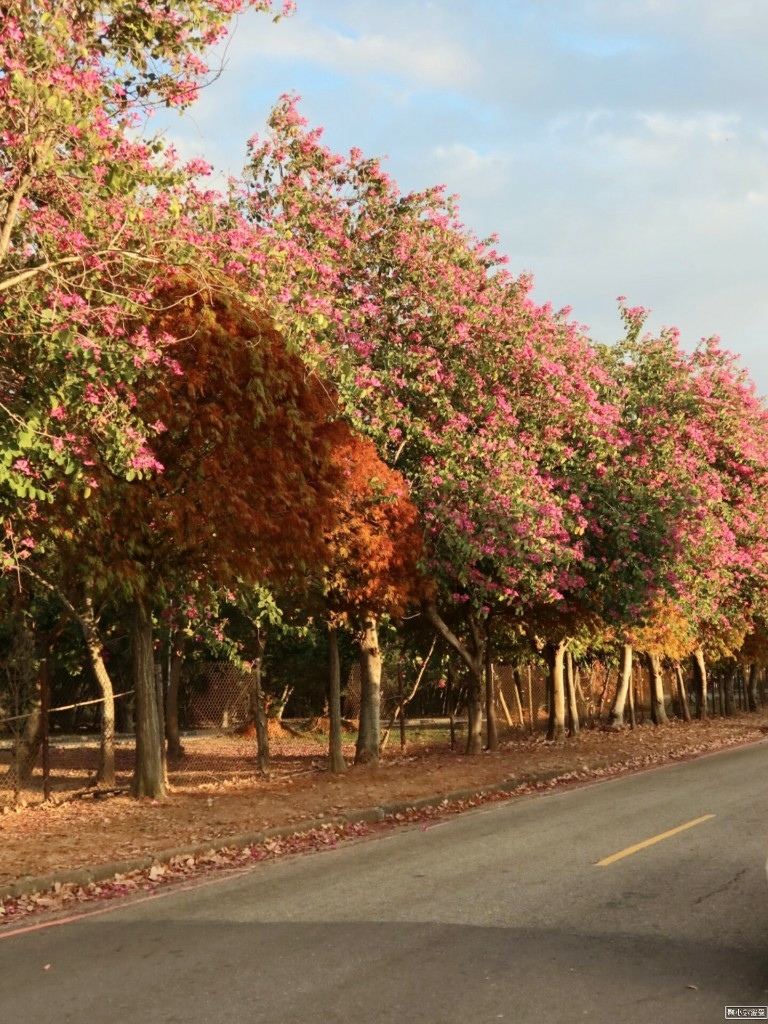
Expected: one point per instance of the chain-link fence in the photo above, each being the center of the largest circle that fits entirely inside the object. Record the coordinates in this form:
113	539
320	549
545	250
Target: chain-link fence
66	748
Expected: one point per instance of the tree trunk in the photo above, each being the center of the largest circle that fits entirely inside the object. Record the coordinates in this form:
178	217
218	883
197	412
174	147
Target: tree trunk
474	711
517	688
623	685
490	697
658	709
753	692
586	701
729	682
400	707
632	701
404	700
25	750
367	749
639	687
336	763
279	704
149	773
176	662
473	659
533	717
555	659
604	694
573	707
258	710
682	693
451	709
700	677
105	775
45	707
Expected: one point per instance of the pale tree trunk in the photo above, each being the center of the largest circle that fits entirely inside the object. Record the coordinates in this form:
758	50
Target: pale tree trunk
490	696
474	691
368	735
473	659
586	701
336	763
556	686
517	687
700	676
276	709
623	686
682	693
753	691
658	709
604	694
400	708
573	707
474	713
149	773
258	710
175	749
404	700
105	775
88	622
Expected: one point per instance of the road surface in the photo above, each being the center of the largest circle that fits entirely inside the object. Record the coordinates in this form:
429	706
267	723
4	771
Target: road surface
639	900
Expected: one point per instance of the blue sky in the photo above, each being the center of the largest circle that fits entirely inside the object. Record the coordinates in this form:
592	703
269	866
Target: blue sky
617	147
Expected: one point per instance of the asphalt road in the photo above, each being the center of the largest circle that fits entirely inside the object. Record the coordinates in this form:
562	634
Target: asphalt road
501	914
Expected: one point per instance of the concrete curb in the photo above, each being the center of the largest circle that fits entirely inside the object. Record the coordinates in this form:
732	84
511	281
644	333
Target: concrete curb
366	815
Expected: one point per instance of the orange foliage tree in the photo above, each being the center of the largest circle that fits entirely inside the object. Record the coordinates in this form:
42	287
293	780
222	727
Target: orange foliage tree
373	553
666	633
242	490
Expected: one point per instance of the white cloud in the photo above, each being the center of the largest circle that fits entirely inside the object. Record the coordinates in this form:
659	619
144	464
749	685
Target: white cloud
616	146
410	56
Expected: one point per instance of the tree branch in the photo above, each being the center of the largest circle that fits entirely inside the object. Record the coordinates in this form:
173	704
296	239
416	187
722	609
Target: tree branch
25	275
11	212
450	638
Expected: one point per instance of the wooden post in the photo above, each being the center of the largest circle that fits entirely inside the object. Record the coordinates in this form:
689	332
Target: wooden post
504	707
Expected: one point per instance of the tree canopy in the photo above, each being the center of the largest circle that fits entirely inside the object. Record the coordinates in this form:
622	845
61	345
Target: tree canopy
316	380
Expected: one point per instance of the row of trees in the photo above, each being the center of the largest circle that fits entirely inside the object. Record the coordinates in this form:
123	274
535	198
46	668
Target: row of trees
314	399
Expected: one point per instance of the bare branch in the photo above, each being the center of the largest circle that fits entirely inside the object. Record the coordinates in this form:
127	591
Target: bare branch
25	275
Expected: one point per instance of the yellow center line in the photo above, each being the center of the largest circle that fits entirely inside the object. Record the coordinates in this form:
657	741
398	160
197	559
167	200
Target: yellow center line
650	842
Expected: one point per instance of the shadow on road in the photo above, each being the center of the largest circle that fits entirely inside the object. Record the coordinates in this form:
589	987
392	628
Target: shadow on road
157	972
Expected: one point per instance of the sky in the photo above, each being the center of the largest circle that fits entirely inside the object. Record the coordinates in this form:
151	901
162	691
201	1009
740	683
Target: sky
616	147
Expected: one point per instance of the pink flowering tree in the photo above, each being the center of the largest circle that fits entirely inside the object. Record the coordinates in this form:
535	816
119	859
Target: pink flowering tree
91	215
724	582
93	219
681	512
490	405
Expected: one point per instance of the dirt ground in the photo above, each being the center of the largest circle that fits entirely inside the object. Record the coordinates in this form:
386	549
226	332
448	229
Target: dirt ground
89	830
